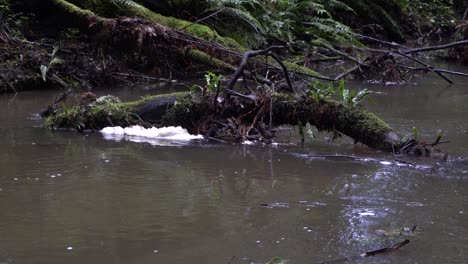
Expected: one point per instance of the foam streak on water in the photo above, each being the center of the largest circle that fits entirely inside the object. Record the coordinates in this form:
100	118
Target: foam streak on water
151	135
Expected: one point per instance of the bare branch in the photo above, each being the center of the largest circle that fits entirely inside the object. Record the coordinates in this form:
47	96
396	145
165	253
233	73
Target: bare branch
446	46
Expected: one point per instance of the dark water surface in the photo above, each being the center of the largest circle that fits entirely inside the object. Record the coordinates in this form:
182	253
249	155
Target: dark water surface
78	198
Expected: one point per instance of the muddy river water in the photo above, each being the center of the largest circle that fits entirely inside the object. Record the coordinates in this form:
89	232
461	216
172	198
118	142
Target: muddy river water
70	198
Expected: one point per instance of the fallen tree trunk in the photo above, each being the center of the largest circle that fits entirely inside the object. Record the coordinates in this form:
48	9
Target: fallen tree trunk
196	113
160	38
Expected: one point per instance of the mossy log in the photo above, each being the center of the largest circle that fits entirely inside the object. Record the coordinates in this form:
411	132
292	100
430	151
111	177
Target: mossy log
88	11
195	112
158	36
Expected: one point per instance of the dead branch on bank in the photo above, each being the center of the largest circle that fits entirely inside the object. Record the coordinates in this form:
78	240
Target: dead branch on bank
379	63
439	47
245	58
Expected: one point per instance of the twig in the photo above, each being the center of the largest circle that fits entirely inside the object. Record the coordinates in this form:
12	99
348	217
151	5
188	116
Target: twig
285	71
203	18
446	46
369	253
254	122
244	61
391	44
9	84
246	85
434	70
271	109
144	77
239	94
349	71
386	250
450	72
429	67
325	59
343	54
216	46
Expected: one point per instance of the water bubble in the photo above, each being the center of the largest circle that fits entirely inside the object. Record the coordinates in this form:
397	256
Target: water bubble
58	174
107	161
258	241
155	251
305	228
69	248
15	179
277	241
52	176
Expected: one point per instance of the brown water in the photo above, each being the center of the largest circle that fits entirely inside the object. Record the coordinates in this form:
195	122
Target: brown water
78	198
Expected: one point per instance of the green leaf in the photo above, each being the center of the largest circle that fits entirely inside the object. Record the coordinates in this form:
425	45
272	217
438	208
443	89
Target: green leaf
314	95
329	91
342	89
371	100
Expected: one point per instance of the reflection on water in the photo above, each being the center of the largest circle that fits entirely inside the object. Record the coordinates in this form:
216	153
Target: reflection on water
67	197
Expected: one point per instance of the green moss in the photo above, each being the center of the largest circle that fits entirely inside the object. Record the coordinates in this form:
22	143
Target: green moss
109	114
328	115
366	120
77	11
294	67
205	59
93	116
145	99
71	118
195	29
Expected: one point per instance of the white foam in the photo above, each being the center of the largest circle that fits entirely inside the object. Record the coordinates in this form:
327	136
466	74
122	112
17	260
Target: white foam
151	135
113	130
